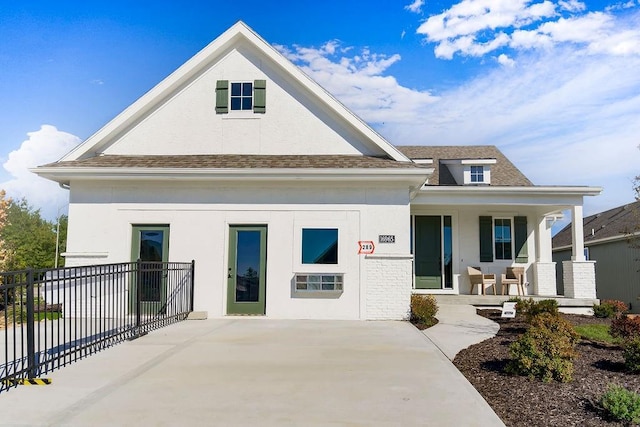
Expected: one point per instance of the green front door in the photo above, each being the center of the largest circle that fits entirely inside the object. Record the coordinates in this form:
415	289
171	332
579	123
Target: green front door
428	258
151	245
246	274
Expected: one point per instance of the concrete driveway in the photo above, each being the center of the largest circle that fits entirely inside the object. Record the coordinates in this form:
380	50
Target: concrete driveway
258	372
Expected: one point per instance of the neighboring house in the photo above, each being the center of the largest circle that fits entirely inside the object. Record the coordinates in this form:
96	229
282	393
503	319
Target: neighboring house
291	205
612	239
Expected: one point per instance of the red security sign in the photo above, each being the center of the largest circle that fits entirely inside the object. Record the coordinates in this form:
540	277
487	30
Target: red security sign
366	247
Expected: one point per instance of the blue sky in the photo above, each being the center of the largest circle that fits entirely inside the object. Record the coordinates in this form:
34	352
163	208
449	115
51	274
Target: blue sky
554	84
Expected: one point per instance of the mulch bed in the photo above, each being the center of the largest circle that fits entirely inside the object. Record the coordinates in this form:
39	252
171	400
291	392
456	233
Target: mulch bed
521	401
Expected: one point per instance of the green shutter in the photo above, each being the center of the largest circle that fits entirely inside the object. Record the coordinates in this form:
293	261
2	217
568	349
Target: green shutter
222	96
486	239
520	232
259	96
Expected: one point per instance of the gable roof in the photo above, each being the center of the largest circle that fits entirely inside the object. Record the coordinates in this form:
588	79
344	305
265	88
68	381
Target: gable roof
616	223
503	172
198	64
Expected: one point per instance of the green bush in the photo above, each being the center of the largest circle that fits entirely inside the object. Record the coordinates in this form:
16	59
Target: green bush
625	327
631	354
546	351
549	306
423	308
522	305
530	308
610	309
621	404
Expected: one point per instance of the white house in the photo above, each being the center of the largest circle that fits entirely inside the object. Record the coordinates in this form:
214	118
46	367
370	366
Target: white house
291	205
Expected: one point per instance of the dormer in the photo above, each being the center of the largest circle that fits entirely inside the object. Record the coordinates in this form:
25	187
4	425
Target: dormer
470	171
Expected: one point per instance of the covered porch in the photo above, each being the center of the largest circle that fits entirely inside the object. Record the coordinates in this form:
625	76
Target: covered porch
494	228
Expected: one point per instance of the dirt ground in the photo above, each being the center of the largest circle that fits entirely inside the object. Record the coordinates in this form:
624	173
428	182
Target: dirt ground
520	401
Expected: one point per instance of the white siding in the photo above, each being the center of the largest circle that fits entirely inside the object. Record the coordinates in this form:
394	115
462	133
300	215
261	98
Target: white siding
199	216
187	123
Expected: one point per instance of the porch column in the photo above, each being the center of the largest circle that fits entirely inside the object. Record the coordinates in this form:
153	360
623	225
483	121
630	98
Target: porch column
577	230
544	269
579	275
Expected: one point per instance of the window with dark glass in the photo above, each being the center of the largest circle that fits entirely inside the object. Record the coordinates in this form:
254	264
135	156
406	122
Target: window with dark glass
477	174
319	245
241	96
502	238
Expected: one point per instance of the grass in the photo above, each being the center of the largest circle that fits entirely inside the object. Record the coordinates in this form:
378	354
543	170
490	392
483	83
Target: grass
21	316
598	333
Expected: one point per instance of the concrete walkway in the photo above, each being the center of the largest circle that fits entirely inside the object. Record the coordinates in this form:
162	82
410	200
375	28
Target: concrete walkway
248	371
458	328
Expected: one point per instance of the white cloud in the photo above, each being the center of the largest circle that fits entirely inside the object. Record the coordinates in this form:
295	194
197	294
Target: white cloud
564	117
572	5
415	7
505	60
358	80
43	146
474	16
478	27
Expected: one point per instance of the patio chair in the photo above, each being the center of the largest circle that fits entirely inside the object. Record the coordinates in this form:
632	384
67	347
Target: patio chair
482	280
513	276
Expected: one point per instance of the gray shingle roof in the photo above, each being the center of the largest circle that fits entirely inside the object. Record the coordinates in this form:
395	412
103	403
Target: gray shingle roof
616	222
238	161
503	173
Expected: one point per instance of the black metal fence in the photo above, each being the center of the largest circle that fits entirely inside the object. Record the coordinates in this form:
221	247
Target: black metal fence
50	318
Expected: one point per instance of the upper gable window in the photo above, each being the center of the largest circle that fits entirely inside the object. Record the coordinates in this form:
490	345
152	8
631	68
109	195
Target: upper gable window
477	174
241	96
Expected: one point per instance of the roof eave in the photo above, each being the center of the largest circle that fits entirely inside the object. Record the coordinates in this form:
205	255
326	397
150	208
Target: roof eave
63	175
516	190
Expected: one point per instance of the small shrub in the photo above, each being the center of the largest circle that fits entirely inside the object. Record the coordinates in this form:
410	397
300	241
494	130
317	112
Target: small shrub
546	351
625	327
16	314
530	308
631	354
621	404
522	305
549	306
610	309
423	308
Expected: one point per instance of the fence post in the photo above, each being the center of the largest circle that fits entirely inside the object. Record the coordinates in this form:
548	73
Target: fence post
32	369
138	296
193	270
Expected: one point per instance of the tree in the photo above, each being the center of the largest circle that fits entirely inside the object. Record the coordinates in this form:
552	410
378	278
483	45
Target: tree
29	240
4	206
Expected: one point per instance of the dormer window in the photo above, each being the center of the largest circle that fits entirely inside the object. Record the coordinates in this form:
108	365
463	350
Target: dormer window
477	174
470	171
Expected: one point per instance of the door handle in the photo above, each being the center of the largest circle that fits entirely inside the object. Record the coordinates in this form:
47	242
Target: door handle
229	275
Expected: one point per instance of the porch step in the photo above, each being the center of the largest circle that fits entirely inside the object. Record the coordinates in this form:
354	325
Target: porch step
497	300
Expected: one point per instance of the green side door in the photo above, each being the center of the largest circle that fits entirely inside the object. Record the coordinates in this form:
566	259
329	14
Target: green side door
246	274
428	258
150	244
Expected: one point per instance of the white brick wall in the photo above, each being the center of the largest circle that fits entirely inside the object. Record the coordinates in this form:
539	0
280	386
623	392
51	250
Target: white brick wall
545	278
388	284
579	279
